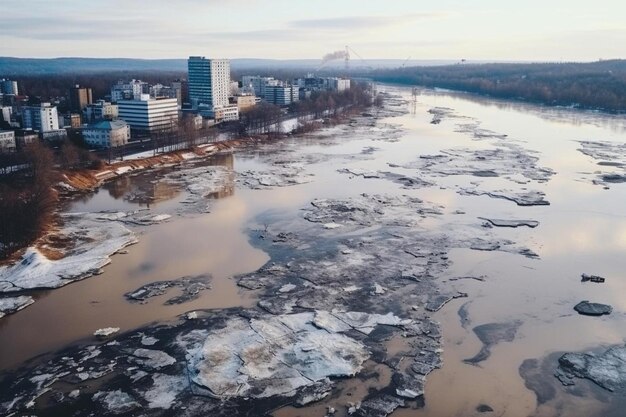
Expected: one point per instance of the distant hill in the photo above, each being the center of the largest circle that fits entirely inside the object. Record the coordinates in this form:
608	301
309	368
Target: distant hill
46	66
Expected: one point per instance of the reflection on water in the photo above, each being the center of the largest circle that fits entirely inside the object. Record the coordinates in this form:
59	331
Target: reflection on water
146	189
582	231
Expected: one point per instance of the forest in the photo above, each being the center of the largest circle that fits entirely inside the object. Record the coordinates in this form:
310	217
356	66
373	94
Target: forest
597	85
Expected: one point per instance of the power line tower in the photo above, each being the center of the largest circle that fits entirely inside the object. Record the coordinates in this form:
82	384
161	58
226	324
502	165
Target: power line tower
347	60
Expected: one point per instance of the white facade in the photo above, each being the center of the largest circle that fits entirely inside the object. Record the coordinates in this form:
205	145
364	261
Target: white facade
131	90
149	115
5	113
107	134
208	81
226	113
7	141
42	118
337	84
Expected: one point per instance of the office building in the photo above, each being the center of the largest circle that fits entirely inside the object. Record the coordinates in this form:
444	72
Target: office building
209	81
58	135
312	83
42	118
244	101
149	115
100	110
226	113
72	120
80	97
8	87
131	90
181	89
107	134
25	137
7	141
281	95
255	84
5	113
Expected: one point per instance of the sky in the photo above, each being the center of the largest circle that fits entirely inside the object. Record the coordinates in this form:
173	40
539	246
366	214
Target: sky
529	30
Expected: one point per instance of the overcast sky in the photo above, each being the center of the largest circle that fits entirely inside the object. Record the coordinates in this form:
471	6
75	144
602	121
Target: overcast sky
442	29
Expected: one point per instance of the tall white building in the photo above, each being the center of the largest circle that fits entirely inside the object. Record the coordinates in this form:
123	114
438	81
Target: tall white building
43	118
208	81
149	115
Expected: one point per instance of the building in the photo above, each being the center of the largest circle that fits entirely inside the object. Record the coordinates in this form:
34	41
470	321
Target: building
255	84
7	141
73	120
311	83
58	135
5	113
337	84
244	101
209	81
8	87
25	137
107	134
100	110
149	115
80	97
131	90
226	113
181	88
281	95
42	118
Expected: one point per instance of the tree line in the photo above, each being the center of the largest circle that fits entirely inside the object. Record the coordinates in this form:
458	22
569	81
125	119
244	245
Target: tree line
597	85
27	200
266	117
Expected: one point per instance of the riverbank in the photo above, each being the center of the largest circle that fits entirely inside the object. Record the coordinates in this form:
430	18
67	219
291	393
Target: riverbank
48	262
591	86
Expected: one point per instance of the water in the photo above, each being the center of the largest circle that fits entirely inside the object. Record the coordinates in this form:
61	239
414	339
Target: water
582	231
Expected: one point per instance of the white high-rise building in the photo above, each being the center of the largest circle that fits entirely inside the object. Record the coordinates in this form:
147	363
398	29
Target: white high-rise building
43	118
209	82
149	115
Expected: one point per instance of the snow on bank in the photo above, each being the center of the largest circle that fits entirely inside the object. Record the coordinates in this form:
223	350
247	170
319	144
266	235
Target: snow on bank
11	305
93	242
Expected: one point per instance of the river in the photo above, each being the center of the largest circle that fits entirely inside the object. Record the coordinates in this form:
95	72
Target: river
582	230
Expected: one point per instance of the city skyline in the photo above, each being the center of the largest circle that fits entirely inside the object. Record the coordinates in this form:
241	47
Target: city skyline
449	29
